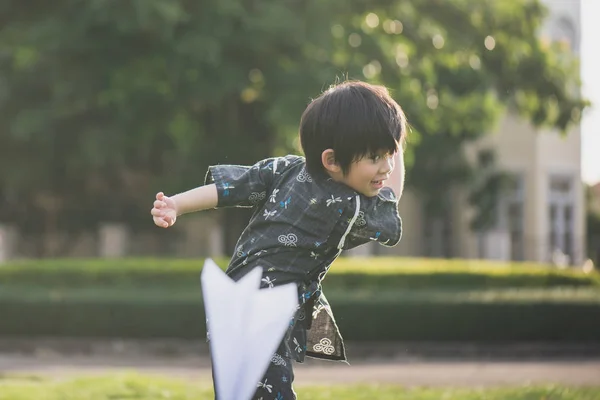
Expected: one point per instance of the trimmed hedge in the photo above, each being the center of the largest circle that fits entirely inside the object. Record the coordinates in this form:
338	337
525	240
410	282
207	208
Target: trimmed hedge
346	273
360	319
372	298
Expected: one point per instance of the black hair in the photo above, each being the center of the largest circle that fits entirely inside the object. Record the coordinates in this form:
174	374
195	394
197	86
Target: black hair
353	118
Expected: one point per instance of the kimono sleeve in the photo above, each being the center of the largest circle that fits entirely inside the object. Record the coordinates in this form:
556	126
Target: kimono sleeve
378	220
239	185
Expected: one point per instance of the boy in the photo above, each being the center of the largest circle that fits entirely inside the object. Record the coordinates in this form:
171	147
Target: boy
344	193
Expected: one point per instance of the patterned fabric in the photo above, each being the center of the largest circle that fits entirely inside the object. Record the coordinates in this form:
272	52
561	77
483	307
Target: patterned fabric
277	382
299	226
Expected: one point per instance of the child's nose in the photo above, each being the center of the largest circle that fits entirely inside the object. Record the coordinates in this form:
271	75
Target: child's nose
388	165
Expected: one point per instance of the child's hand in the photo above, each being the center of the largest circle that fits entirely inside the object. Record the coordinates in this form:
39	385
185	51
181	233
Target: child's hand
164	212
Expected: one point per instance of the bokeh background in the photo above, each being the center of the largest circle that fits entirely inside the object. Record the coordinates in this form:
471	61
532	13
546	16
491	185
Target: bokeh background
104	103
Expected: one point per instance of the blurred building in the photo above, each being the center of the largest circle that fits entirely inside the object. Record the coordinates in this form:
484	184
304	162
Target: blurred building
542	217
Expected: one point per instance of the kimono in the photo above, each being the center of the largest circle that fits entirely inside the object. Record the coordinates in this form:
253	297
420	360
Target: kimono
299	226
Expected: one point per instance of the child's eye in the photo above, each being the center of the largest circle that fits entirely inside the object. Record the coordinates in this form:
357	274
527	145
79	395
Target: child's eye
375	157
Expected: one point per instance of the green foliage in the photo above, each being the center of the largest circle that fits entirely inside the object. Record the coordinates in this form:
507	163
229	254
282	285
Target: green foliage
345	273
146	387
103	387
593	236
424	299
103	103
385	392
367	315
593	224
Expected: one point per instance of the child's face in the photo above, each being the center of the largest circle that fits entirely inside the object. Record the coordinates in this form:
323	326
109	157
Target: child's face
368	175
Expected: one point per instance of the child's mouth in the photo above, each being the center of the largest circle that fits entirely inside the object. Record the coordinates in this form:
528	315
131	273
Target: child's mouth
377	184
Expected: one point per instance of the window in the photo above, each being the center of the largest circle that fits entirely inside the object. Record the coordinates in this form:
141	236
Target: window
561	216
562	28
515	223
567	32
514	215
511	216
437	235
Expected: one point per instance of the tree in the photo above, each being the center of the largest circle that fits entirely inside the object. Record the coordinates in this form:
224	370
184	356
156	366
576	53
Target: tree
103	102
455	66
592	197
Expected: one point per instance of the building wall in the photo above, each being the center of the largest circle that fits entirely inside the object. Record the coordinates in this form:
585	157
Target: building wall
540	157
536	157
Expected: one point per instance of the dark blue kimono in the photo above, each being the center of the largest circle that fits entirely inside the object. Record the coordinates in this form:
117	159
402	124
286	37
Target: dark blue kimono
300	225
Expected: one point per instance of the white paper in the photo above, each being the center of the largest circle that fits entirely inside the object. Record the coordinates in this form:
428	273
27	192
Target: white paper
246	325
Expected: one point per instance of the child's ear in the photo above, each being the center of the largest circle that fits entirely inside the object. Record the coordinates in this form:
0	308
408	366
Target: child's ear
328	160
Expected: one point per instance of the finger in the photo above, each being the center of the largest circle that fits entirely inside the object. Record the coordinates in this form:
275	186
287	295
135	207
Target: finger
156	212
160	222
159	195
159	204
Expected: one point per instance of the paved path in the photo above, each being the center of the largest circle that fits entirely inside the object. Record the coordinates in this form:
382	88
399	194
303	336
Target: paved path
408	364
450	373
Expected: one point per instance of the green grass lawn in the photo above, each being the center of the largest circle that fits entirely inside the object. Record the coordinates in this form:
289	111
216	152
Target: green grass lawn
144	387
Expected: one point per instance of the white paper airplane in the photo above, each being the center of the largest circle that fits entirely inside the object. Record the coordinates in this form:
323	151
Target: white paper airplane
246	325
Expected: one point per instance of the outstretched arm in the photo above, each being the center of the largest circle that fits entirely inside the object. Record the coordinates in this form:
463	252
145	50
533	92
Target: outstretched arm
198	199
166	209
